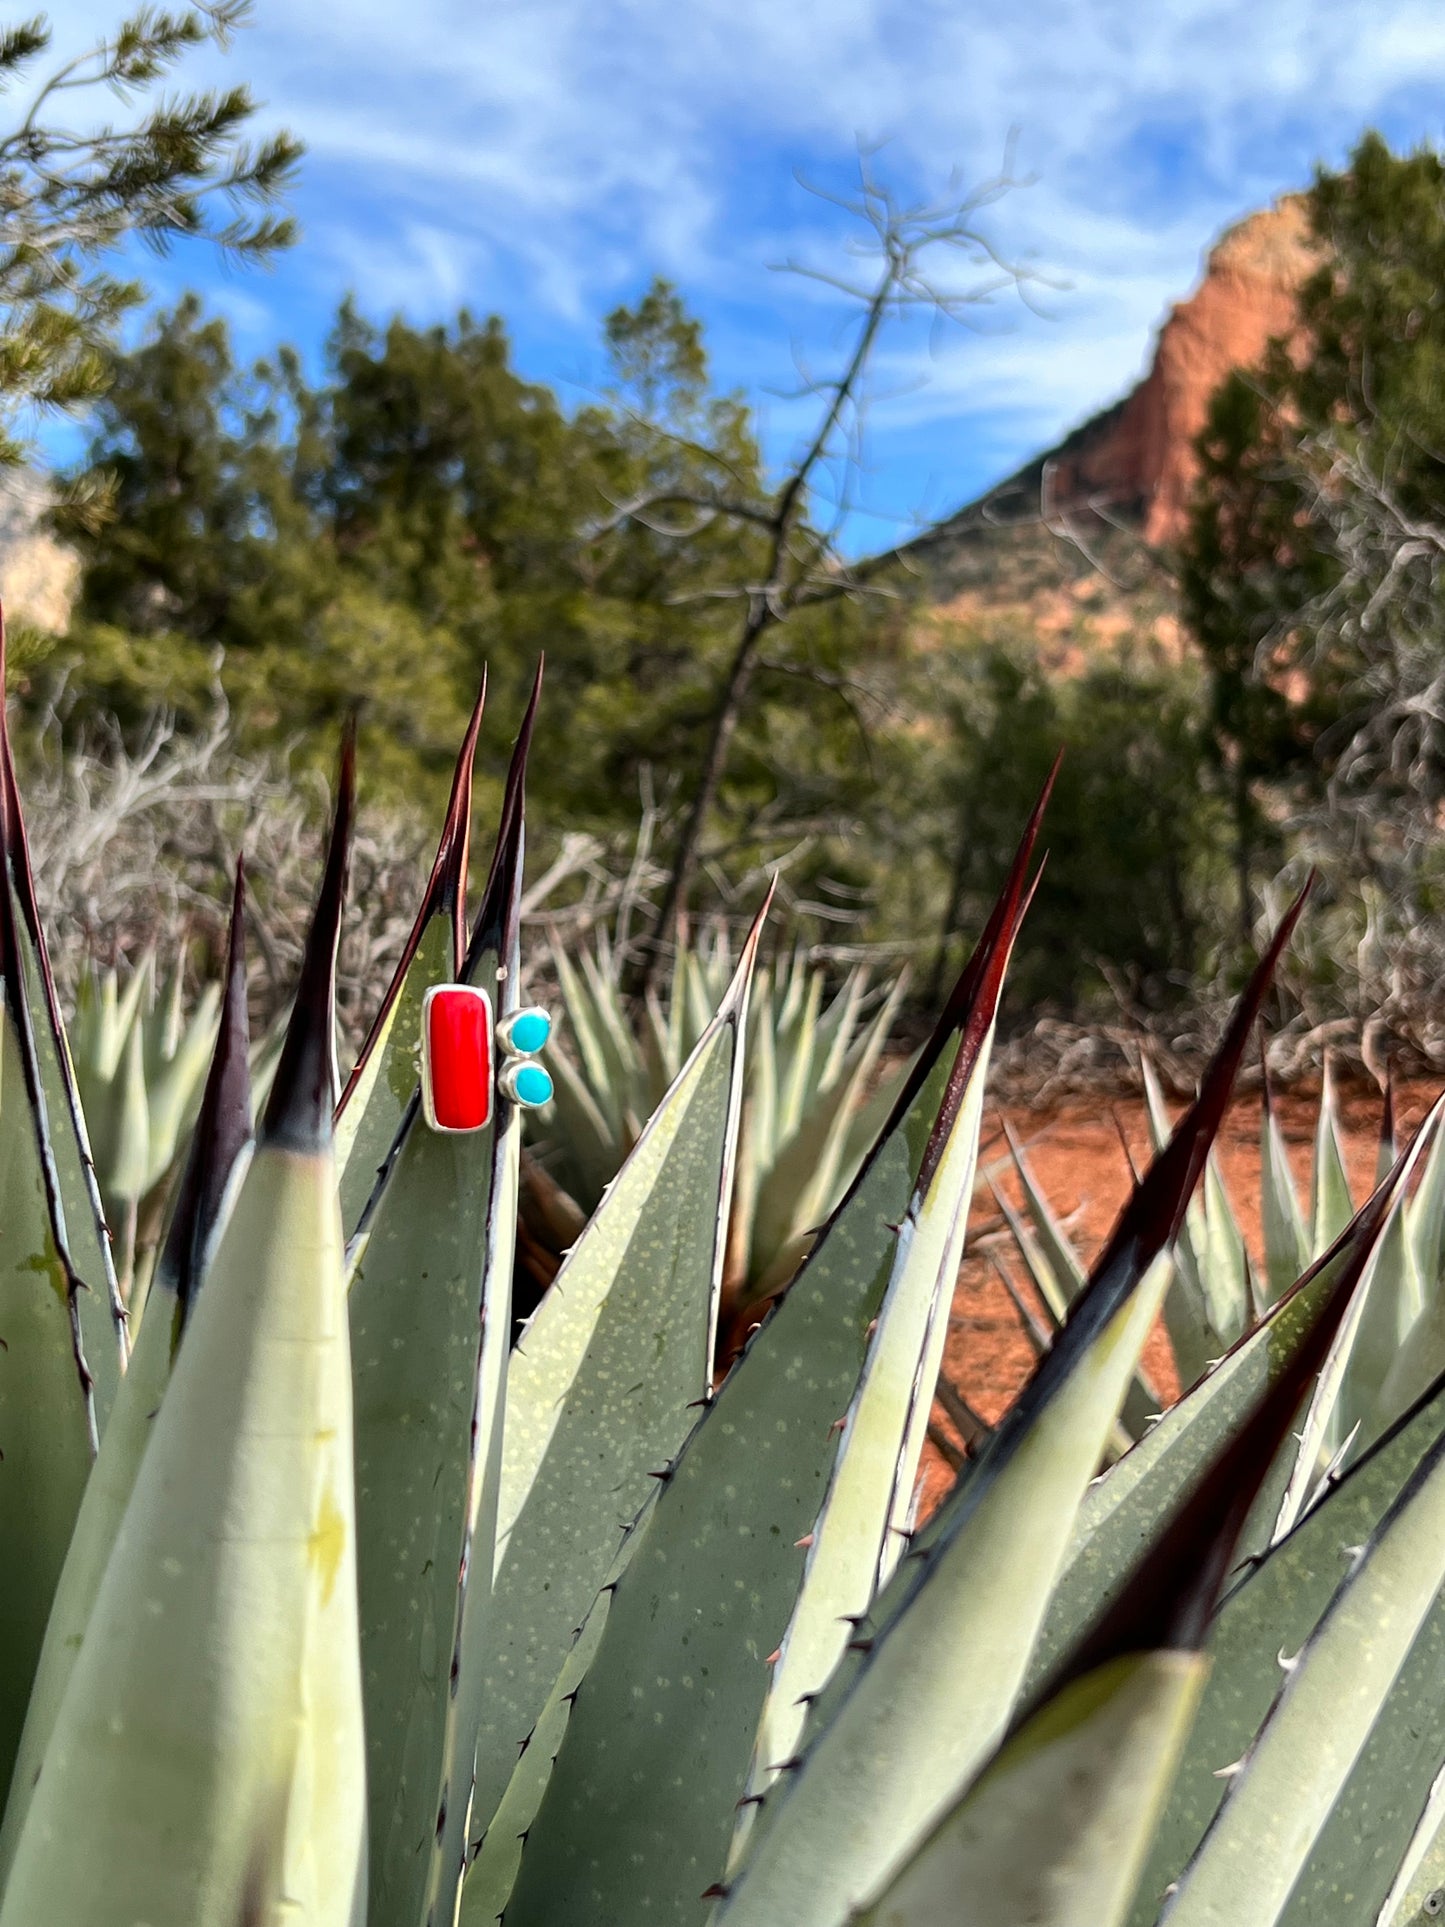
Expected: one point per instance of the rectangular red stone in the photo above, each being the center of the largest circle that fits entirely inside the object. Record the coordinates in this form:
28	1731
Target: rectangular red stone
457	1058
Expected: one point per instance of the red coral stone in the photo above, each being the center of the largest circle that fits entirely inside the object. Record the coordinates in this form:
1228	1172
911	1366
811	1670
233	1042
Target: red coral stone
457	1026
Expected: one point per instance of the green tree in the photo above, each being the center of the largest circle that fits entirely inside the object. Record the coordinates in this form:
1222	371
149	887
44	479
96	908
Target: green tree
1134	843
73	194
1311	571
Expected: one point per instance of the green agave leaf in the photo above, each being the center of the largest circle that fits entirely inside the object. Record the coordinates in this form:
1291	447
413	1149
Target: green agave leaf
810	1168
587	1139
174	1086
1293	1777
637	1815
211	1733
493	1873
946	1653
72	1193
430	1328
1425	1221
1286	1240
216	1160
1417	1892
855	1541
800	1031
1331	1205
1322	1420
1271	1611
1197	1324
383	1081
1062	1278
837	1028
603	1384
1127	1507
1063	1261
44	1423
1393	1303
1053	1832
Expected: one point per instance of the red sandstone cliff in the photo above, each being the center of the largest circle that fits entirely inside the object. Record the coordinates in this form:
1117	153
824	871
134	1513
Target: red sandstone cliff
1144	454
1134	462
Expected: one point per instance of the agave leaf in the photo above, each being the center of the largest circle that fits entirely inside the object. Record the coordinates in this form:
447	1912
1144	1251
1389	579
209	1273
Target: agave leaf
124	1179
658	1743
1331	1206
697	1004
1208	1303
1053	1833
810	1168
1225	1257
1063	1261
1273	1610
1425	1221
173	1079
384	1079
493	1873
627	1070
1321	1419
1066	1278
1420	1359
800	1042
1127	1507
588	1140
1299	1765
588	1035
602	1385
1394	1302
211	1731
1417	1891
433	1279
837	1026
1286	1240
932	1695
72	1193
215	1163
855	1540
44	1423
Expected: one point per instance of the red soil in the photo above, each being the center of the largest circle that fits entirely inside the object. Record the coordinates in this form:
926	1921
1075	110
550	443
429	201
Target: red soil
1075	1151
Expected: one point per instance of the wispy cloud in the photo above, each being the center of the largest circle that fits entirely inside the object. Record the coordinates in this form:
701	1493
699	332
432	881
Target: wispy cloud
543	157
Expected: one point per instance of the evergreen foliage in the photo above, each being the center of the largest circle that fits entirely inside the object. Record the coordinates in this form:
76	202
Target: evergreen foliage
73	193
1311	570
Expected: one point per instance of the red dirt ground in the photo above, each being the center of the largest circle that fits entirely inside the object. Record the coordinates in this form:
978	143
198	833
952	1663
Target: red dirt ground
1075	1152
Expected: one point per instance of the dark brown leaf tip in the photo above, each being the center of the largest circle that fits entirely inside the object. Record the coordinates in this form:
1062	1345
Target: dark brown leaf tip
223	1127
497	919
298	1110
1171	1596
446	889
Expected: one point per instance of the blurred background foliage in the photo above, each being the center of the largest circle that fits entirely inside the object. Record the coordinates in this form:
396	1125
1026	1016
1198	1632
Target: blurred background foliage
277	544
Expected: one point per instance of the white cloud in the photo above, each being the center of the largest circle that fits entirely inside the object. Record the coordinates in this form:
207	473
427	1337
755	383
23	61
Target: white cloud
546	155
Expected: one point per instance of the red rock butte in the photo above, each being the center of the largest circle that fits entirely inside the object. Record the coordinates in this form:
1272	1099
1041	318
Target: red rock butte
1132	464
1142	457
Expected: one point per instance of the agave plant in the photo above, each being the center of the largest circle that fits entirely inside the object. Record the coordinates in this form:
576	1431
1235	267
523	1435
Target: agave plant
332	1604
139	1061
1394	1344
813	1097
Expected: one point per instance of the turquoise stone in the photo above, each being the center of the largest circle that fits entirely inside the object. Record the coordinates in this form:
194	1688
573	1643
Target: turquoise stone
531	1084
529	1030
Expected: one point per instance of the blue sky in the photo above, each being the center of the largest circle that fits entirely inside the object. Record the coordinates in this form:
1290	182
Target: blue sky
544	158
